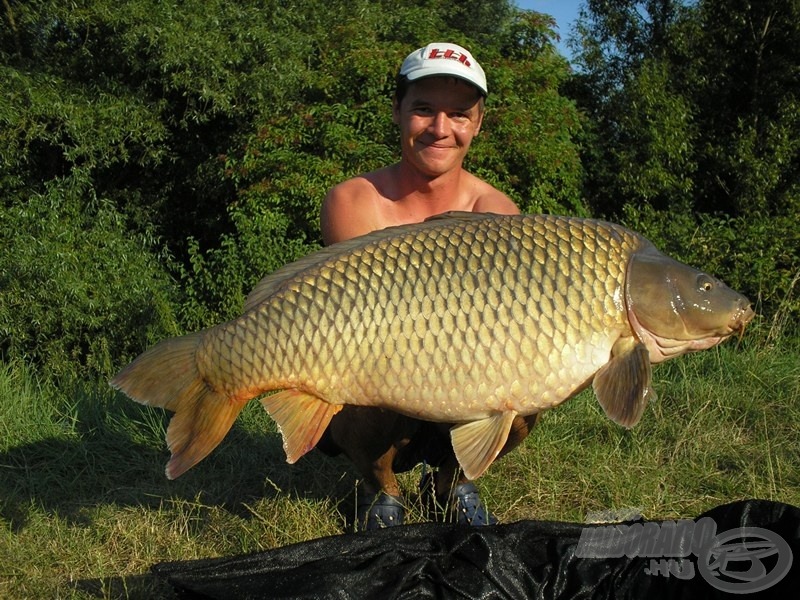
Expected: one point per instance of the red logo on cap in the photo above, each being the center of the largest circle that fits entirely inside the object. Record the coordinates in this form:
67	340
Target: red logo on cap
451	54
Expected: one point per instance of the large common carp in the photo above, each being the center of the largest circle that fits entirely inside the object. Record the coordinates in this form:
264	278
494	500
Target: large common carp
467	318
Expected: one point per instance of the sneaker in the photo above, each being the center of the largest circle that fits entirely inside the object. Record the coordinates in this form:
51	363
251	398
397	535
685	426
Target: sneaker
464	503
379	511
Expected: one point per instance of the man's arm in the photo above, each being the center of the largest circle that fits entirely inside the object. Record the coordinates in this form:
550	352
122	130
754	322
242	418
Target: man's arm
348	211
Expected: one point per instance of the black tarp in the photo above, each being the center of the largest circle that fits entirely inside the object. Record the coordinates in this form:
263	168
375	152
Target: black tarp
528	559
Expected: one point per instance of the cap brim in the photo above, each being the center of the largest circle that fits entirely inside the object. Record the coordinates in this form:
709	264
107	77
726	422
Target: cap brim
446	72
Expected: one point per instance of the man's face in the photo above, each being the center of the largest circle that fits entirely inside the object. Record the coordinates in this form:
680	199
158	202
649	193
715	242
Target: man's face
438	118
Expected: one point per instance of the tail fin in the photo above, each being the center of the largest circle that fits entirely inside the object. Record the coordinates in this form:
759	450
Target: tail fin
166	376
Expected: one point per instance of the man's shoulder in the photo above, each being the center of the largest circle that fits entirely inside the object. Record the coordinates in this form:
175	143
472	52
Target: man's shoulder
351	208
350	189
489	199
366	187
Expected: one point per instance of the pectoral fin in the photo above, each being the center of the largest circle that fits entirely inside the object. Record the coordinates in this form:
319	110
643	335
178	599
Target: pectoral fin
301	418
478	443
623	384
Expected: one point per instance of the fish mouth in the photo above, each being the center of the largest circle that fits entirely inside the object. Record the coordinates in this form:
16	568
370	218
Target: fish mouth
741	320
736	326
662	347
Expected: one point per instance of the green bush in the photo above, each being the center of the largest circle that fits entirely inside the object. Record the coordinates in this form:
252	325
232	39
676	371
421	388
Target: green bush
217	127
341	125
80	294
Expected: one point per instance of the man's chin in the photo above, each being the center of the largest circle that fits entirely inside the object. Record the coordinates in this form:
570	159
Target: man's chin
437	163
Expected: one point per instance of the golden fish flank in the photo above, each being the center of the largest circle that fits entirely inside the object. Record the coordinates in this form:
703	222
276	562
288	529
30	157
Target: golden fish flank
421	304
466	319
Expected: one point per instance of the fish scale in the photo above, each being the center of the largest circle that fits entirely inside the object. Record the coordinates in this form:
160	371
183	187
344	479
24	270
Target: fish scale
401	319
465	319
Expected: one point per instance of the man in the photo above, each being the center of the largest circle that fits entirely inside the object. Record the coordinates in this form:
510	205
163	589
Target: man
439	108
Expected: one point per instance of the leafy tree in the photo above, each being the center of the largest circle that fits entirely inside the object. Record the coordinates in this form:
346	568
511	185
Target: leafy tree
692	131
342	126
197	139
79	293
748	105
640	126
714	84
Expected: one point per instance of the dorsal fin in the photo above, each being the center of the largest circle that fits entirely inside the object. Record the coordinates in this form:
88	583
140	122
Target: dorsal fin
269	283
264	288
462	215
267	286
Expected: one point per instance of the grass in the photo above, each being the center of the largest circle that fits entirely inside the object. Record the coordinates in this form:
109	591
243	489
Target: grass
85	509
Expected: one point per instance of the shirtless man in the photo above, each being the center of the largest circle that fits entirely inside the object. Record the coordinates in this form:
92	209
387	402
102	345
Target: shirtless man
439	108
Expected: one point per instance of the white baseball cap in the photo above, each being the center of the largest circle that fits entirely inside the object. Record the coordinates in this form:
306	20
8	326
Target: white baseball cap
443	58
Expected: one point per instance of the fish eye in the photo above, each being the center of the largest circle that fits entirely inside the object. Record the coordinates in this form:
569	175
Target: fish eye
705	283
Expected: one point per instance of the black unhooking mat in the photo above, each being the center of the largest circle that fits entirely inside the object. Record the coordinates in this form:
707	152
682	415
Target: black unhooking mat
747	548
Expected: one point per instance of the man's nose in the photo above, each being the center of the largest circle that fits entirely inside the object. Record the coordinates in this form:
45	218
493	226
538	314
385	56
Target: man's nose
441	124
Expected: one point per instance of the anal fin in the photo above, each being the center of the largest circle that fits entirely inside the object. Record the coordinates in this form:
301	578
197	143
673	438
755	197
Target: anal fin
622	385
477	443
302	419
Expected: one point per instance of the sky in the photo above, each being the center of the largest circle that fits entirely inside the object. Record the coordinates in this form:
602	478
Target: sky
564	12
